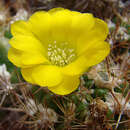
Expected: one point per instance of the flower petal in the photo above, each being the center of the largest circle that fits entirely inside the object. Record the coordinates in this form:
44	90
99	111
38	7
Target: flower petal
33	59
61	21
27	75
98	32
101	29
95	53
54	10
40	24
27	43
24	59
14	56
43	75
82	22
77	67
20	28
69	84
69	25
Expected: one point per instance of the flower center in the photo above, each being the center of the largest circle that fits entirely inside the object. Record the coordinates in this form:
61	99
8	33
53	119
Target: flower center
60	54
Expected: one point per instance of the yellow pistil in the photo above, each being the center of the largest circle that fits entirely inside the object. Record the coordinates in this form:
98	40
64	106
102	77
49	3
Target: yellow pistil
60	54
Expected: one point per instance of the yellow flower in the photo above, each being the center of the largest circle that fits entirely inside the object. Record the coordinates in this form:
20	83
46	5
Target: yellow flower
55	48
